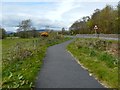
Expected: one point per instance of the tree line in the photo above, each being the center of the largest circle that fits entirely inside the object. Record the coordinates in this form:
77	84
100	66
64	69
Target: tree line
107	20
25	30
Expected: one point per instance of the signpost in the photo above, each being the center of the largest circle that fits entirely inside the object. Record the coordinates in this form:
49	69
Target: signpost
96	30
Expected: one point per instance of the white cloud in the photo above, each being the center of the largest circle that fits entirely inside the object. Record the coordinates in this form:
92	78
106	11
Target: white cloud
63	6
59	0
54	13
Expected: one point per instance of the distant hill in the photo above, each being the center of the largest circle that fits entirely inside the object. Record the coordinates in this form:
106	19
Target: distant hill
9	32
41	30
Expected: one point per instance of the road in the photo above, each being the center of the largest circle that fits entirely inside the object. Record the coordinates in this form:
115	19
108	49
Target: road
94	36
60	70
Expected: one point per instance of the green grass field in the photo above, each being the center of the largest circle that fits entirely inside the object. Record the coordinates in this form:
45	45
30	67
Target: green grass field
22	59
93	54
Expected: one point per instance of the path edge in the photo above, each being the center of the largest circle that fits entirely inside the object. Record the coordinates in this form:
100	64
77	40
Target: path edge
87	69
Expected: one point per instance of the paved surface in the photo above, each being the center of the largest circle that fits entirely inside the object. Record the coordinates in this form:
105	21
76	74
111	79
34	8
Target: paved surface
107	38
93	36
60	70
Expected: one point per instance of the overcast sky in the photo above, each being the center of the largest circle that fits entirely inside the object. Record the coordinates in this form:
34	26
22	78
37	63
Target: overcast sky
54	13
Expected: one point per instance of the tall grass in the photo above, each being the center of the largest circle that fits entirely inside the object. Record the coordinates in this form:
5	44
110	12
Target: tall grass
22	59
19	60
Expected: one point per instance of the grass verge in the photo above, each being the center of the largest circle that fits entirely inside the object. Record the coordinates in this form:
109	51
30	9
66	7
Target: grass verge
22	59
92	54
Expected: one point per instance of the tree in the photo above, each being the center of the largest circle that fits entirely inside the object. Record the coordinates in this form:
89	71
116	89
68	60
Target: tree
86	18
118	19
80	26
106	19
23	28
2	33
